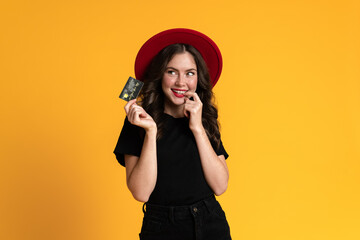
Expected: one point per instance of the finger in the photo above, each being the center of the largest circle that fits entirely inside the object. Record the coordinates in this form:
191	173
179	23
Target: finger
140	112
189	97
136	117
135	107
193	95
131	115
190	100
143	114
190	105
137	113
186	113
128	105
132	112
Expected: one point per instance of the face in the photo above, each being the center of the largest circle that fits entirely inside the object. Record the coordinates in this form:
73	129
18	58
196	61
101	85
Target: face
180	76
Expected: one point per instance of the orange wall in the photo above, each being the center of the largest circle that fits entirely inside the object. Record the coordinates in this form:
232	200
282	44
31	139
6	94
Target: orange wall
289	103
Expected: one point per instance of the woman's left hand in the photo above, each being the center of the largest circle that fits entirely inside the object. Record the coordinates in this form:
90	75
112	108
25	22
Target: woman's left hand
193	111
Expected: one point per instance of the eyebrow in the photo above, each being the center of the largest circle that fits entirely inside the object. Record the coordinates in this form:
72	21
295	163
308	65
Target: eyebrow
190	69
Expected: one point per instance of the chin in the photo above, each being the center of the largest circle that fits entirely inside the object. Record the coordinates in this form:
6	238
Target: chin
178	102
175	101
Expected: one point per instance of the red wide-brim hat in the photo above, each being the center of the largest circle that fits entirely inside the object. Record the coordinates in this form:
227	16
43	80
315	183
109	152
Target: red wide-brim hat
207	48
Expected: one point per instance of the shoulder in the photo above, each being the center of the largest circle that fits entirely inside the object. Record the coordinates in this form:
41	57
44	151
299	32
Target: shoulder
130	141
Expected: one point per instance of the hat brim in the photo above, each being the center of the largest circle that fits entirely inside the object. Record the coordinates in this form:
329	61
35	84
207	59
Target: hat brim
207	48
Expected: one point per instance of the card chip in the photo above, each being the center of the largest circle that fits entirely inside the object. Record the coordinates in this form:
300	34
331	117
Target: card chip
131	90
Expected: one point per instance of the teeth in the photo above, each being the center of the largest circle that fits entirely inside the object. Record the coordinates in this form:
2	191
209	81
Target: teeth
179	92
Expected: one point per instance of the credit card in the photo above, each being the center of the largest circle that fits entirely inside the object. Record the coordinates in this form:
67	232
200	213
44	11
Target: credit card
131	90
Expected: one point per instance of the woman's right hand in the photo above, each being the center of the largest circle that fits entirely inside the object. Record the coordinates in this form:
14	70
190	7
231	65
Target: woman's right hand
138	116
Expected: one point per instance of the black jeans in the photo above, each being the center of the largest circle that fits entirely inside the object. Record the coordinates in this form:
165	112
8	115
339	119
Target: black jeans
204	220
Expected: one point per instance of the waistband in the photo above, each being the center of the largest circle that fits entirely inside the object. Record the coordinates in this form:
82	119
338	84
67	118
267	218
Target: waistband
205	205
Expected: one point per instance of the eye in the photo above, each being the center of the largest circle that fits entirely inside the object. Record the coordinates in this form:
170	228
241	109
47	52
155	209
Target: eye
171	72
191	73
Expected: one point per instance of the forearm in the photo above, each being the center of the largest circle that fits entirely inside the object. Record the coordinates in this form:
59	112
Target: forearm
142	180
214	167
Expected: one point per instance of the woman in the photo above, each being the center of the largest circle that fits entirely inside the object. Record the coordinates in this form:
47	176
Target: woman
170	142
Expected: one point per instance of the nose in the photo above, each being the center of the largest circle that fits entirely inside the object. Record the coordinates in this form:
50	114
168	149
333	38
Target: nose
180	80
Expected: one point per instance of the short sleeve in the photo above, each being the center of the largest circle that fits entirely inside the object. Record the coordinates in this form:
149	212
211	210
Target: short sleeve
221	150
130	142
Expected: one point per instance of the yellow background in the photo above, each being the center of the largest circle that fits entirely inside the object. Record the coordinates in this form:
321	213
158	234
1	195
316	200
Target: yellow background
288	98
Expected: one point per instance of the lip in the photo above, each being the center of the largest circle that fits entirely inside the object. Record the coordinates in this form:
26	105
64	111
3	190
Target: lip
178	89
178	94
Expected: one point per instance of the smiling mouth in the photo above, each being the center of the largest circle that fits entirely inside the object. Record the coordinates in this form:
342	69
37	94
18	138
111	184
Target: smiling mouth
179	93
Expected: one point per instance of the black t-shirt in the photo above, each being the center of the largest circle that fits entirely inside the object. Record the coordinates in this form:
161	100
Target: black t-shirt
180	179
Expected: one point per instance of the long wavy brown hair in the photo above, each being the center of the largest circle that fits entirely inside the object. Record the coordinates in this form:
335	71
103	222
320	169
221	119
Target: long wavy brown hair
152	96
